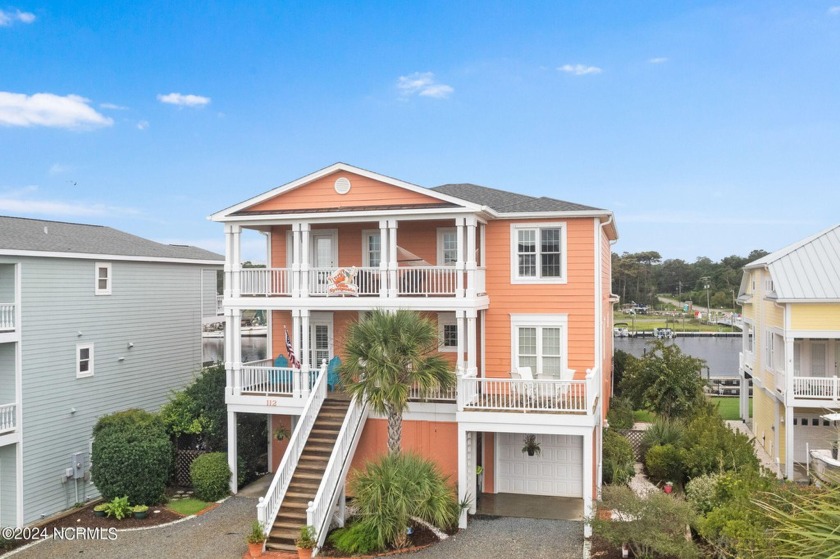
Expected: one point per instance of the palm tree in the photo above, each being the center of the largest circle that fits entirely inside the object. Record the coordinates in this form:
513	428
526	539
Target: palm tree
387	354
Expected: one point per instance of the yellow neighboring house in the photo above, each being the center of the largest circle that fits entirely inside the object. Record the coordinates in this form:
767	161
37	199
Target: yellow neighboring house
791	347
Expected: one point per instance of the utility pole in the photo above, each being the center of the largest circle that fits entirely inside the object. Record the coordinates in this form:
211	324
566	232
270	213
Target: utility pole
707	286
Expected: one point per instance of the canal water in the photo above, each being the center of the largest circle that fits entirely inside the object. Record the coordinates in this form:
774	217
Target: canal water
720	354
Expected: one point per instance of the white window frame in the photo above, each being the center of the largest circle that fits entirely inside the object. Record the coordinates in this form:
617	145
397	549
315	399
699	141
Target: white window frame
109	279
446	319
539	321
366	235
90	360
441	235
515	278
749	338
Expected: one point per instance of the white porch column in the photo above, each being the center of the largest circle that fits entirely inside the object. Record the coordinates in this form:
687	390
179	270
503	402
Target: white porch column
463	483
232	379
459	324
472	344
789	452
228	269
232	450
459	259
296	378
305	341
296	281
393	287
233	327
236	264
384	257
305	266
471	264
587	481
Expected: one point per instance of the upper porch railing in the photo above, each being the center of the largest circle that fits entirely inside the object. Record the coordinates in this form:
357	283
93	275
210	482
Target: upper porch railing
263	379
7	316
7	418
816	388
407	281
505	394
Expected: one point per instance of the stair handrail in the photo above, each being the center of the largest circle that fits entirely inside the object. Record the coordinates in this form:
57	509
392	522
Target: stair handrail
319	512
269	506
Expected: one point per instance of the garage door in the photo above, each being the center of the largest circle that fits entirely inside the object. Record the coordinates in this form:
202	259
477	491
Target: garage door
557	471
813	430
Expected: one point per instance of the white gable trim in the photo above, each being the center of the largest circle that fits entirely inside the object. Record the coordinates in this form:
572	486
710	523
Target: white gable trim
220	216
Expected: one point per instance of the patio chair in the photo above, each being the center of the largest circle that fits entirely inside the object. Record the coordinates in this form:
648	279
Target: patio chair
332	372
564	389
282	378
525	374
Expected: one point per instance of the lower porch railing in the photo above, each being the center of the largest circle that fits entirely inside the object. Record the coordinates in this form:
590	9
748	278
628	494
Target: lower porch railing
7	417
260	377
269	505
498	394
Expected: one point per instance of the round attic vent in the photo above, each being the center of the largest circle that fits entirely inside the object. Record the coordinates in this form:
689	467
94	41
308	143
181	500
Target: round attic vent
342	185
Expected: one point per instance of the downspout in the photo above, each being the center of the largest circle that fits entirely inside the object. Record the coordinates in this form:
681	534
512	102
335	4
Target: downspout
599	351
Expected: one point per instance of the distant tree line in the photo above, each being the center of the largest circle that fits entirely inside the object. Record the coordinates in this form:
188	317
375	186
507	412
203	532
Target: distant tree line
638	277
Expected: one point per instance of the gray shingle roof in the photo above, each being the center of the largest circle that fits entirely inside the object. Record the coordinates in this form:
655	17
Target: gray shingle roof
509	202
807	270
17	233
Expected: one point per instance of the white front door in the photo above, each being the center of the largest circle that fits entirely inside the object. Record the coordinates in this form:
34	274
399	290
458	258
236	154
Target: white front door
556	471
320	338
324	245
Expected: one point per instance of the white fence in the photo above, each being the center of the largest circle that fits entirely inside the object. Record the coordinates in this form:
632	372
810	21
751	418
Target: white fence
7	316
269	505
319	512
435	394
7	418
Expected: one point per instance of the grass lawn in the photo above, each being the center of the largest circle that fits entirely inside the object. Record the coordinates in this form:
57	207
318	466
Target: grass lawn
649	322
187	506
729	408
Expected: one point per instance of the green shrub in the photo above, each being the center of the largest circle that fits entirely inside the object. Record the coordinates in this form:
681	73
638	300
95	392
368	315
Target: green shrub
620	415
359	538
709	446
664	463
619	462
661	432
652	527
700	492
131	457
210	476
388	492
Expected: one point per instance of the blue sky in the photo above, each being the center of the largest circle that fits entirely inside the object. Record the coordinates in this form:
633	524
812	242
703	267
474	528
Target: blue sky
709	128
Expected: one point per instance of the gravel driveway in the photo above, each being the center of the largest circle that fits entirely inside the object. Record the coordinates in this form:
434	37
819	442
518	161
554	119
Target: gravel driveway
221	534
502	538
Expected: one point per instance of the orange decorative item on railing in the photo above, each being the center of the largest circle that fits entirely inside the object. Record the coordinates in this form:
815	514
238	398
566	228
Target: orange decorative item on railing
343	282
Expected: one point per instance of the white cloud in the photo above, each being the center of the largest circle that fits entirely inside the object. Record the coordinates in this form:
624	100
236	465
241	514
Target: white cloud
143	125
58	169
112	107
184	100
834	11
22	201
423	83
658	60
47	109
579	69
9	18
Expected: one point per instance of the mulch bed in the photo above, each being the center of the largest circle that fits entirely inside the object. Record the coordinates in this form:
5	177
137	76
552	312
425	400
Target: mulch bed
83	517
602	549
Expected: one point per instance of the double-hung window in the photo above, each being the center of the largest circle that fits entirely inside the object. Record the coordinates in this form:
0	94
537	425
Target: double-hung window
538	253
371	248
447	246
103	279
84	360
448	332
539	342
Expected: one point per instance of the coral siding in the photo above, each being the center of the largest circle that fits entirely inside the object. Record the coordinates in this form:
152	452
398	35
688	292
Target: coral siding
278	246
321	193
435	440
489	462
278	336
576	298
278	449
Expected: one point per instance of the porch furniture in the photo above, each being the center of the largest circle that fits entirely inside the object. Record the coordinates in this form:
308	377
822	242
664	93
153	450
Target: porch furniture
332	372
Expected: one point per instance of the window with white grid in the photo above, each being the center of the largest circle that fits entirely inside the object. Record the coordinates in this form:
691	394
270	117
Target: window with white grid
538	253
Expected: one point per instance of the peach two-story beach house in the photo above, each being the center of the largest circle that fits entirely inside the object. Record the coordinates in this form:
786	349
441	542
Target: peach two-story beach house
519	287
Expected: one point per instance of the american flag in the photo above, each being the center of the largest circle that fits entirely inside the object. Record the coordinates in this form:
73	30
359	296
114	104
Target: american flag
292	359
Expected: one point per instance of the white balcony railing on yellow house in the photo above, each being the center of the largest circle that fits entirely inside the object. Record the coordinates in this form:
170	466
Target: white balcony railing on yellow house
816	388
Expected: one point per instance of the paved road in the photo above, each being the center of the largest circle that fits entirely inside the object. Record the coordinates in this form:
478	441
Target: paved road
221	534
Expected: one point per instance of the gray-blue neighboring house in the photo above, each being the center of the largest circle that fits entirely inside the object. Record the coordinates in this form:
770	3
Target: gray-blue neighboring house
92	321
